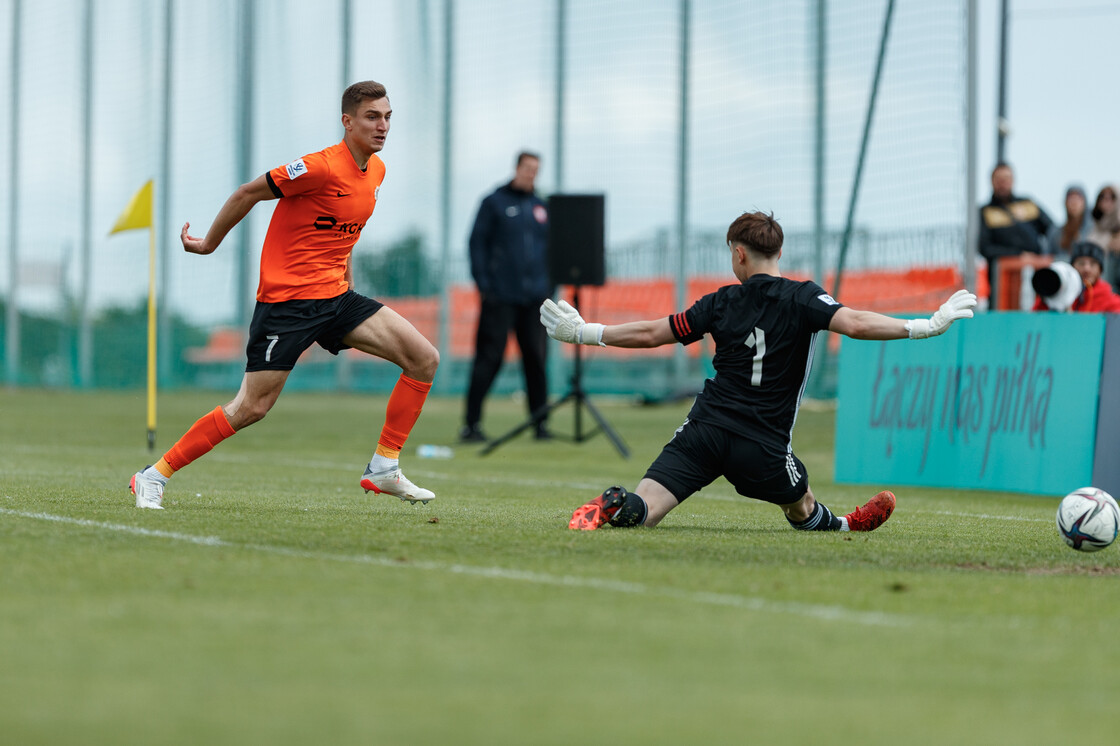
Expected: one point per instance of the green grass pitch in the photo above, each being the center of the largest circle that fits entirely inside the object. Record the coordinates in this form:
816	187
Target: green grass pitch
274	602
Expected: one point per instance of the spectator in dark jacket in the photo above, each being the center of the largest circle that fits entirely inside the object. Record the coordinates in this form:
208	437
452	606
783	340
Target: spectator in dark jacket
509	263
1010	225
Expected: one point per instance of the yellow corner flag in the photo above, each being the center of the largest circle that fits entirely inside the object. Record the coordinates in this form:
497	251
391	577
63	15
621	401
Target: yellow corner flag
138	214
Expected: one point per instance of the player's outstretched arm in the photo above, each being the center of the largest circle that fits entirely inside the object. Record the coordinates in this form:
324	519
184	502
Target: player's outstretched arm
871	325
233	211
565	324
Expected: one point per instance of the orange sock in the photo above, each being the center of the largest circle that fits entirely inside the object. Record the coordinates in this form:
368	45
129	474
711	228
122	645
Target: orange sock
401	414
210	430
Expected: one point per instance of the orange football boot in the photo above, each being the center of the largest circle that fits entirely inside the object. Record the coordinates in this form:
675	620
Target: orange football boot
872	515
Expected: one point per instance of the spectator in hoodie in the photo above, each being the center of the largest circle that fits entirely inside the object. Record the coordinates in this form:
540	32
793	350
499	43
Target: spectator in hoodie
1077	225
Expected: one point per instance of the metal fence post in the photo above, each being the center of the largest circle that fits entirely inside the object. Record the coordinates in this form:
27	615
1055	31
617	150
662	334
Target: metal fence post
11	338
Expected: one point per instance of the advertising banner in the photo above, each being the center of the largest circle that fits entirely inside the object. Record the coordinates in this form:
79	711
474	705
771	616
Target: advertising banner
1003	401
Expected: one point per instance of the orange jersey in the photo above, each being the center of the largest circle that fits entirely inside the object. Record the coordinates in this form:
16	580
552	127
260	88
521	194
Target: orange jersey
325	201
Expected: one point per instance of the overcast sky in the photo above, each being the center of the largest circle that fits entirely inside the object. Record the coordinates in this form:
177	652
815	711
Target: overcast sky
1062	100
1061	107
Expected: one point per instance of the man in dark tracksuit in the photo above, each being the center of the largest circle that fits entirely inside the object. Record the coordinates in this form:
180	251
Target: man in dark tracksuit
509	263
1010	225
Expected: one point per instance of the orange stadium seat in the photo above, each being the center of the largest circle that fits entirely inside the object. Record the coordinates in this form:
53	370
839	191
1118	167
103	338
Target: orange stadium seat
224	345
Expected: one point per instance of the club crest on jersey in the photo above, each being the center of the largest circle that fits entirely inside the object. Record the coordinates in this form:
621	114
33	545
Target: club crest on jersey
296	168
828	299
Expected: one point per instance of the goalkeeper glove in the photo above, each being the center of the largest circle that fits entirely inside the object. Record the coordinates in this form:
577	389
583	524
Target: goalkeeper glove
565	324
959	306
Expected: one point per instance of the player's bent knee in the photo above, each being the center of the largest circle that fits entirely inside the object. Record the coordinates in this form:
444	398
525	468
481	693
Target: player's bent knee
432	360
800	510
249	414
423	362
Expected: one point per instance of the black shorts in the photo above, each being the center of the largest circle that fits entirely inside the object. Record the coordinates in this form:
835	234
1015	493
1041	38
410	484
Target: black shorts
280	332
699	452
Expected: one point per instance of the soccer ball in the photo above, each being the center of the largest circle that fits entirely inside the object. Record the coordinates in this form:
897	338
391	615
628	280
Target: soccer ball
1088	519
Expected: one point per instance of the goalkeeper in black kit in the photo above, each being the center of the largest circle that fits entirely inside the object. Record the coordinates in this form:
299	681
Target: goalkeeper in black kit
741	425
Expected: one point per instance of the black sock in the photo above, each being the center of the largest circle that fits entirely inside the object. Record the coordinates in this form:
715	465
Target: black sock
632	513
821	519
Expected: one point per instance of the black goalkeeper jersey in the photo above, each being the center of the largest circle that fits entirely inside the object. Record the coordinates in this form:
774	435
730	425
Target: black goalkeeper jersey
764	331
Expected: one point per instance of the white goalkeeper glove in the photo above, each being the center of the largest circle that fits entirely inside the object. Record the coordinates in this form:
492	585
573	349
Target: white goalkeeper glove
959	306
565	324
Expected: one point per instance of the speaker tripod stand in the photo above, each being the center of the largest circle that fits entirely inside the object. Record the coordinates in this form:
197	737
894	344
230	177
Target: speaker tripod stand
578	397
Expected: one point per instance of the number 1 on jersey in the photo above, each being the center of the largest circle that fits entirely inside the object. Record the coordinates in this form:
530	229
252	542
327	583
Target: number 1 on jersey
757	340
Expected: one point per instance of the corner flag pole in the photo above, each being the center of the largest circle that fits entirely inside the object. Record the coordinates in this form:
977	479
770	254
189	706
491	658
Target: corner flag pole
138	214
151	336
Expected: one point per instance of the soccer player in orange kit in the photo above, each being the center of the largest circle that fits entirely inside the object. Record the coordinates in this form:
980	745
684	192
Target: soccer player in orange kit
305	296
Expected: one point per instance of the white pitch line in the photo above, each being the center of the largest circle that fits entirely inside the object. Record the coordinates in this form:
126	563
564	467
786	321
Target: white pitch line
210	541
986	516
730	600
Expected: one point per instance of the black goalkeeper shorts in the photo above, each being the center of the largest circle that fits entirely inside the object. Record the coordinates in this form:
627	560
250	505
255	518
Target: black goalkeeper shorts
280	332
699	453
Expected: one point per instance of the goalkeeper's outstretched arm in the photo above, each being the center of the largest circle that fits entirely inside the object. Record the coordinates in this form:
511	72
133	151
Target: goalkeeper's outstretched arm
564	323
867	325
639	334
871	325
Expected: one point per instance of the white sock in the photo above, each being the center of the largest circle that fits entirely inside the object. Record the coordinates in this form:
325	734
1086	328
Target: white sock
380	463
844	523
153	473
